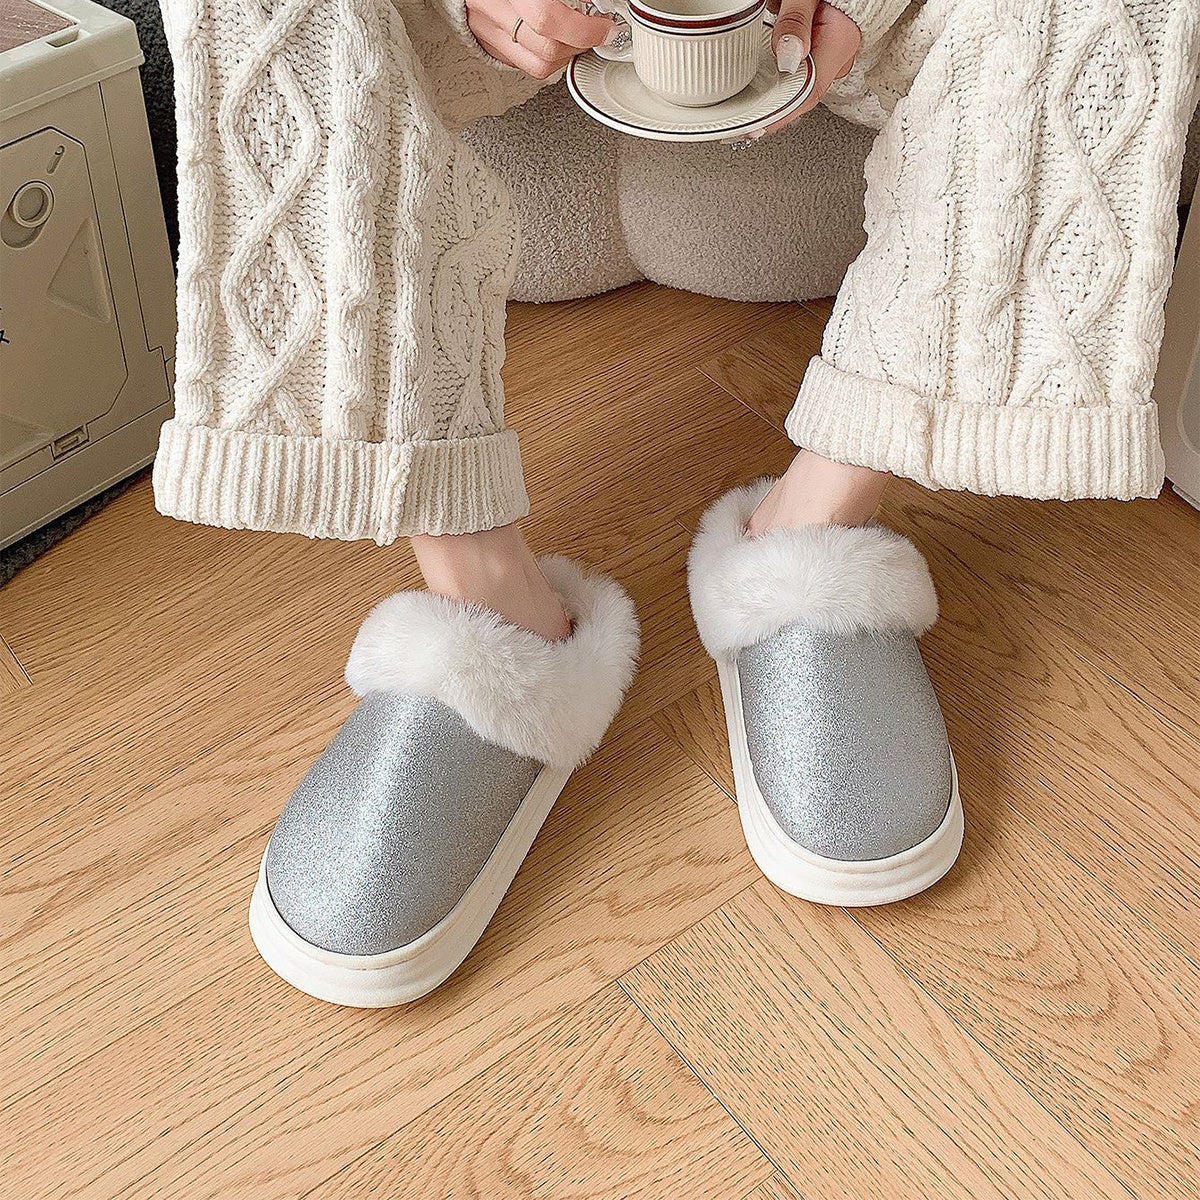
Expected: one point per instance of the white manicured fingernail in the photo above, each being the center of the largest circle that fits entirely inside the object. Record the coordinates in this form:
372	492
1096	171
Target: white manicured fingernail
789	53
615	34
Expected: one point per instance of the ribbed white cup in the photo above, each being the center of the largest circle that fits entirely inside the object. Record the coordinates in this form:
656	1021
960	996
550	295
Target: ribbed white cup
696	52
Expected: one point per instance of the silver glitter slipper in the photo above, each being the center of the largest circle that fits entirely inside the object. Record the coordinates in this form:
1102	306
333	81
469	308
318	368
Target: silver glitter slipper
846	786
393	853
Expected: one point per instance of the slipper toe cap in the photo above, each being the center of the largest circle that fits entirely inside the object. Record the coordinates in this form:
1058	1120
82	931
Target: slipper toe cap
391	825
846	739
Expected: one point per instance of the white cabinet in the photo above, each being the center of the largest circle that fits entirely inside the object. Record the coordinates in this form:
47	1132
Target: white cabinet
87	293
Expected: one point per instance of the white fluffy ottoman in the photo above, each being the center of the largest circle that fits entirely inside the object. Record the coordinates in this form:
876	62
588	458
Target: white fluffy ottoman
779	219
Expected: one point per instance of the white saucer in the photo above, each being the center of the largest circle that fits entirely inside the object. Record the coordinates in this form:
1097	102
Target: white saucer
613	94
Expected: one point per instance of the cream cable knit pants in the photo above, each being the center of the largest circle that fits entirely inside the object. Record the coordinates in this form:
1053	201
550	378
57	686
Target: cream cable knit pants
345	259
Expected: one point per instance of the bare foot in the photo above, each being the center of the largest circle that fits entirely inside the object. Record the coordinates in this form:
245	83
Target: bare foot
817	491
495	570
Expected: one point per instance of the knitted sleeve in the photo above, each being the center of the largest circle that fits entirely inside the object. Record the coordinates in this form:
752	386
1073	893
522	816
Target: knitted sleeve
465	81
873	17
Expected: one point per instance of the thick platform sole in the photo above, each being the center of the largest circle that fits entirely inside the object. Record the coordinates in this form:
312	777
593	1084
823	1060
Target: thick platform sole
809	876
409	972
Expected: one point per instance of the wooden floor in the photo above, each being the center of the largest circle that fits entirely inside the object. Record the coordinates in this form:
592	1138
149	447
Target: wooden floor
646	1016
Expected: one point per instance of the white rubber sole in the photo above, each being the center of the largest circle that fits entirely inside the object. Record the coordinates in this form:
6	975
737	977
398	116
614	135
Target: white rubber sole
408	972
809	876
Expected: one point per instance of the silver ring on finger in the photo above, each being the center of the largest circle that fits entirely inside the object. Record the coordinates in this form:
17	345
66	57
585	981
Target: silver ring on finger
516	28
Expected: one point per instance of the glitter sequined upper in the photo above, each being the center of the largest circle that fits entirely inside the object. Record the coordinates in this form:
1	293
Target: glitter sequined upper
391	825
846	738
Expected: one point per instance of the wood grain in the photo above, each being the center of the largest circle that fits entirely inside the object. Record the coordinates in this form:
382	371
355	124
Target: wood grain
243	1065
775	1188
1091	1009
13	676
862	1085
1131	818
597	1105
1040	1003
764	369
1115	783
696	723
1142	558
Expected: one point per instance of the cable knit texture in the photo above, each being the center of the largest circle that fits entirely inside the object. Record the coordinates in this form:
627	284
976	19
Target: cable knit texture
345	258
1000	330
343	269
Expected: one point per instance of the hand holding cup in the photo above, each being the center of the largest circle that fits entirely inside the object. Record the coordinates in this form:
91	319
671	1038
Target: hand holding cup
813	27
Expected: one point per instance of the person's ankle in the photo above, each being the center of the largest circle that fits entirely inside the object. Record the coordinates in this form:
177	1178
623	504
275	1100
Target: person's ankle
818	491
495	570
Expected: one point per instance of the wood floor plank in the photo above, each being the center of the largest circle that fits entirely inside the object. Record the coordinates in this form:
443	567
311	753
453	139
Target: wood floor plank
598	1105
13	676
862	1085
764	369
167	772
108	728
117	568
1053	673
565	345
1089	1007
774	1188
1114	581
174	777
1103	1005
822	306
186	676
696	723
661	450
1104	776
231	1082
1107	778
152	709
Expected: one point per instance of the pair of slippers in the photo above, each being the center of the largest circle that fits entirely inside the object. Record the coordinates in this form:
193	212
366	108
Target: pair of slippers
391	856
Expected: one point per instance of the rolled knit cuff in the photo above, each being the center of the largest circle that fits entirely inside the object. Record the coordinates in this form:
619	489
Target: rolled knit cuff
322	487
1042	453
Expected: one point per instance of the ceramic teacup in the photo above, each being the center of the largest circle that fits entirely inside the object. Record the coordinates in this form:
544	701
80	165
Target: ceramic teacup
691	52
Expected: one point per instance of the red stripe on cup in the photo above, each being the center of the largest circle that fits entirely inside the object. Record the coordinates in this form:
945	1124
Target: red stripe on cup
697	24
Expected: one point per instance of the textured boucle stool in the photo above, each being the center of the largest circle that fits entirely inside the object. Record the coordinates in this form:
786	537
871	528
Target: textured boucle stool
779	219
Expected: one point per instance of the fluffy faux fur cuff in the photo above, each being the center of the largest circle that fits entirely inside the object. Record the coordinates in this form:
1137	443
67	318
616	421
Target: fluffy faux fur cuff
745	589
551	701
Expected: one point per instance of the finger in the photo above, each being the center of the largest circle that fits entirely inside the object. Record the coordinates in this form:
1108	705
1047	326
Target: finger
792	36
561	23
498	42
833	55
544	47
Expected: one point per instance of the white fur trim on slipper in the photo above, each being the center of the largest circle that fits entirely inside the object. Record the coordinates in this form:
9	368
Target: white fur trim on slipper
745	589
551	701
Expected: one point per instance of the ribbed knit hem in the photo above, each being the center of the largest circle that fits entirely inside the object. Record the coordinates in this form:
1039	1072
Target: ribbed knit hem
326	488
1042	453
